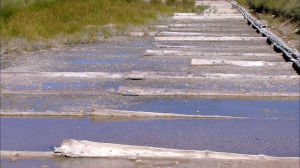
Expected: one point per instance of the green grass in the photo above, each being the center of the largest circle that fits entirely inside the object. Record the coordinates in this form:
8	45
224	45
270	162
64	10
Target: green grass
279	8
37	20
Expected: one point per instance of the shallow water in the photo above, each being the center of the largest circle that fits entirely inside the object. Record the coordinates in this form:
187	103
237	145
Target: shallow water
28	163
248	136
260	109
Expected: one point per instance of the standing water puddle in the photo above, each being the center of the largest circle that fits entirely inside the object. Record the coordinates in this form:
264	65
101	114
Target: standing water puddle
277	138
258	109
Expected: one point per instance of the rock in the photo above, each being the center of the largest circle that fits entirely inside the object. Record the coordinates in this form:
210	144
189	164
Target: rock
138	162
132	158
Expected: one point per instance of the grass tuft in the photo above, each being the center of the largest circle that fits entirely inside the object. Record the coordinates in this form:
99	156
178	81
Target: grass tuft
279	8
37	20
27	25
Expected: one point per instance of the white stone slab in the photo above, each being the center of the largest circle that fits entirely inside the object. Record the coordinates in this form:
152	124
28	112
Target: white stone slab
205	62
63	74
215	30
42	114
165	33
83	148
208	38
185	14
198	25
199	18
198	53
144	91
184	75
141	114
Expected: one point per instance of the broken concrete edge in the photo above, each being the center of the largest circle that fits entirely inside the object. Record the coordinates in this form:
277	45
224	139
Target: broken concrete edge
42	114
279	46
83	148
141	114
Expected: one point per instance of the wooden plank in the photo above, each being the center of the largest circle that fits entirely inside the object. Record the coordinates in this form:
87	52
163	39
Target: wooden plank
213	30
225	11
149	115
208	38
83	148
142	91
42	114
160	27
217	34
113	156
214	3
161	52
136	34
205	62
185	14
207	25
185	75
237	47
210	14
208	17
165	33
60	92
15	155
156	75
221	14
199	53
210	2
216	48
63	74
